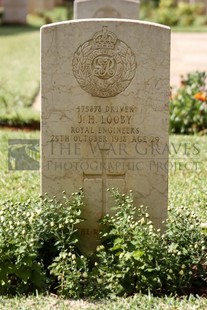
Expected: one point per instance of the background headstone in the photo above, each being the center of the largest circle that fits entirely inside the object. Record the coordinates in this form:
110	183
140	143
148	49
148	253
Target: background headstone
105	115
15	12
106	9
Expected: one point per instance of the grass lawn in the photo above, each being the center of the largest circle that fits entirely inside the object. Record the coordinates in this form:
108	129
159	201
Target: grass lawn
189	28
20	70
187	186
17	185
188	173
137	302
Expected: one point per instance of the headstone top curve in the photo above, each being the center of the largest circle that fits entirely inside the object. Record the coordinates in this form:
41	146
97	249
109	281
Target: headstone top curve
103	20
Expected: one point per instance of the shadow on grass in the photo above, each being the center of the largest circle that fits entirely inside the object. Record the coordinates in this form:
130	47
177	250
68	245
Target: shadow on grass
6	29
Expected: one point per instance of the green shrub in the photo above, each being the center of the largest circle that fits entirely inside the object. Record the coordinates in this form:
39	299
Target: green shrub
188	13
188	107
1	14
183	14
200	20
187	20
147	10
134	257
167	13
169	4
39	250
20	270
167	16
129	258
189	9
31	236
184	244
153	3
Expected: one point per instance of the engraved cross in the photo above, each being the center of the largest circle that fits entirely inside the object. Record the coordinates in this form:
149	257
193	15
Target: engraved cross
104	176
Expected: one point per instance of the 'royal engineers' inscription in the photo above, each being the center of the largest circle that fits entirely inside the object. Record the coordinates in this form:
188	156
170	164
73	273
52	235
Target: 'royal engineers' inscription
104	66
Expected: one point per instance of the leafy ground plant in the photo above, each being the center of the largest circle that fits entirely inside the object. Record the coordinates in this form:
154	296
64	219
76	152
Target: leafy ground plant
135	257
32	234
39	251
188	106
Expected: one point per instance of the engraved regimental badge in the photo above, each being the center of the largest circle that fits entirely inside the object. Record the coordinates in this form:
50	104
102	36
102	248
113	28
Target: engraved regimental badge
104	66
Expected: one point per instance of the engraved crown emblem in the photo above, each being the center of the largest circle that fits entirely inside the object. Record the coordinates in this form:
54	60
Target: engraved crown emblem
104	39
104	66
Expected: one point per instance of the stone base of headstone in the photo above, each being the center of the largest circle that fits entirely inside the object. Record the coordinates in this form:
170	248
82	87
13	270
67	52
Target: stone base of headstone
15	12
106	9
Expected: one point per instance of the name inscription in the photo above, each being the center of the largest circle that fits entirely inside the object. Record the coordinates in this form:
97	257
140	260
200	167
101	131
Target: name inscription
111	120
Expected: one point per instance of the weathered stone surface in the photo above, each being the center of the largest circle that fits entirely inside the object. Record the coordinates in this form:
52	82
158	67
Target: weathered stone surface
105	90
15	12
106	9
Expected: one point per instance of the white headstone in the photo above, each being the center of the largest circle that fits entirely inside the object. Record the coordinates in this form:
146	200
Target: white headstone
105	93
15	12
106	9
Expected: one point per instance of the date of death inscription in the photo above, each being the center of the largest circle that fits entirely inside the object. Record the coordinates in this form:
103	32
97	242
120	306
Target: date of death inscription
105	135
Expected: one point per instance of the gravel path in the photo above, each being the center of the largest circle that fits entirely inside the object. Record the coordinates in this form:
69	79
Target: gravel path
188	53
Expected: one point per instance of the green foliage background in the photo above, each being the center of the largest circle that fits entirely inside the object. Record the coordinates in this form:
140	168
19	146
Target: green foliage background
188	106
